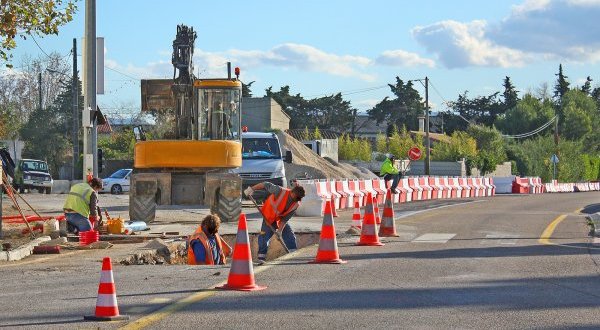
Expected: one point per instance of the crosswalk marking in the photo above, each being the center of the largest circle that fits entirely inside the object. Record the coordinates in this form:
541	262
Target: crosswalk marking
434	238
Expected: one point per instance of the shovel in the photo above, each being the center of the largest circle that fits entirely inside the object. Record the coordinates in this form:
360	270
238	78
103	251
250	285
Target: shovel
277	234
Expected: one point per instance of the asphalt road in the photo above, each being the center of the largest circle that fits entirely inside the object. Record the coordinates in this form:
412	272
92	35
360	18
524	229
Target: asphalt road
502	262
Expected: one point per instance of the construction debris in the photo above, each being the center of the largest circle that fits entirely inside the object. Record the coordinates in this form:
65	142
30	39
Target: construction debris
158	252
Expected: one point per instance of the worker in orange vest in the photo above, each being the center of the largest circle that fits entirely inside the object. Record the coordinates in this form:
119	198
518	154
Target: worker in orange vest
277	210
205	246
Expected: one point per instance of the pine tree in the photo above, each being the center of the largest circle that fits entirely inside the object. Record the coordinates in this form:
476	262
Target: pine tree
562	85
587	86
510	94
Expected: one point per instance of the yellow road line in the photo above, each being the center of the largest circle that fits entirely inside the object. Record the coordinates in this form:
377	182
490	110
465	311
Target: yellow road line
545	238
162	313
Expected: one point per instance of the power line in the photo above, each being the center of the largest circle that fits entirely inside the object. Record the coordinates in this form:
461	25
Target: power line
446	102
531	133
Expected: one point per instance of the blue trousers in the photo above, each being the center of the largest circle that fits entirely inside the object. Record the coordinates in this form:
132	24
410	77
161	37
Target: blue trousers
79	221
266	233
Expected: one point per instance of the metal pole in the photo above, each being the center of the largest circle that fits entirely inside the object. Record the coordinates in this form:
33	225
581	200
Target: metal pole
554	175
75	130
427	154
90	83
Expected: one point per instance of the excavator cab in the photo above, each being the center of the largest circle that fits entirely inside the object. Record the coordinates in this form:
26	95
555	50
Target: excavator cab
219	105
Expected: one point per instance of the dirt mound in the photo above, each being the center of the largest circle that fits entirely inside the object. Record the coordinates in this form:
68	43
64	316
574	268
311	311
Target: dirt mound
307	164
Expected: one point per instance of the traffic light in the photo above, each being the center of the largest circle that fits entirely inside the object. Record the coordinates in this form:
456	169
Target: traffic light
100	160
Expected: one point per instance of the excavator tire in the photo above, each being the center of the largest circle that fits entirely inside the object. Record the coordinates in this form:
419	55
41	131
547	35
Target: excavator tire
142	208
228	208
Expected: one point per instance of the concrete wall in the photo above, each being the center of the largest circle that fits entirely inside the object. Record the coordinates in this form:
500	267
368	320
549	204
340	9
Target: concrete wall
15	148
418	168
263	113
502	170
324	147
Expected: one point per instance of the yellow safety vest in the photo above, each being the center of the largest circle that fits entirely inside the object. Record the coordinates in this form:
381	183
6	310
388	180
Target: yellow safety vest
78	199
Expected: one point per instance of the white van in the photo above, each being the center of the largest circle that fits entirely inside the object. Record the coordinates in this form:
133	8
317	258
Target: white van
262	160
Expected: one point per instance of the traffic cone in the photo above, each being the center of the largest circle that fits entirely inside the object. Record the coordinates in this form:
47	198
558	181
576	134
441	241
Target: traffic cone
368	235
241	273
333	211
356	222
106	303
376	210
388	227
328	249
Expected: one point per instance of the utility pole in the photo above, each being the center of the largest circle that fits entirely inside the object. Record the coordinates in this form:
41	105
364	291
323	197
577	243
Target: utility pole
427	154
89	136
75	129
40	90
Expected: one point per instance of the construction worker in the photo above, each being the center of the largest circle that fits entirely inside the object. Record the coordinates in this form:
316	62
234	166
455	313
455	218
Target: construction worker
277	210
205	246
389	172
81	205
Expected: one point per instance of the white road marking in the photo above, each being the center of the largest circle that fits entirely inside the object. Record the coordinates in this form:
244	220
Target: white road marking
434	238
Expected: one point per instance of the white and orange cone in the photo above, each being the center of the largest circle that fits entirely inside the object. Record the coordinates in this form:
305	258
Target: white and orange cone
388	227
328	249
368	235
106	303
356	221
241	273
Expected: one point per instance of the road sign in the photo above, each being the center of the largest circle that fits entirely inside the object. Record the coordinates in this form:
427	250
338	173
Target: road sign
554	159
414	153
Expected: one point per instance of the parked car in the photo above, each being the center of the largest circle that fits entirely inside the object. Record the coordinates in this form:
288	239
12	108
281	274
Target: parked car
117	182
33	174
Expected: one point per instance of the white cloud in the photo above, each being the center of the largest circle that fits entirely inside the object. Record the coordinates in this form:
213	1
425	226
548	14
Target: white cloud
404	59
464	44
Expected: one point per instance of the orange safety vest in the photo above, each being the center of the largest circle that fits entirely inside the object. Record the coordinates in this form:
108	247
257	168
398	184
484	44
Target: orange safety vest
224	248
274	207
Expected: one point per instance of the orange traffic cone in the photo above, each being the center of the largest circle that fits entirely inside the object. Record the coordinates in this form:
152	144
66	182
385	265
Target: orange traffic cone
388	227
106	303
241	273
333	211
376	210
356	222
368	235
328	249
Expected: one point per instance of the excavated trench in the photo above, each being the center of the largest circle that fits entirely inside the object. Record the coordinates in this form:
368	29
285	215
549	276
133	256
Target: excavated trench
173	251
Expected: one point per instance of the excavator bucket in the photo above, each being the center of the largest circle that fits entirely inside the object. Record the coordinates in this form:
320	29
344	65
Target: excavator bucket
224	195
157	95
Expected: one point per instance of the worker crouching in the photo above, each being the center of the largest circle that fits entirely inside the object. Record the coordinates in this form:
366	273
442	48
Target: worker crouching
81	205
205	246
277	210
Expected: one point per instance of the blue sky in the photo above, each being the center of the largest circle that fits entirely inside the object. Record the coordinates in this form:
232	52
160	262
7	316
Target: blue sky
323	47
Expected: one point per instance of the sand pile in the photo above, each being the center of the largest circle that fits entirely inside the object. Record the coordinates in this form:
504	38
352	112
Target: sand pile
307	164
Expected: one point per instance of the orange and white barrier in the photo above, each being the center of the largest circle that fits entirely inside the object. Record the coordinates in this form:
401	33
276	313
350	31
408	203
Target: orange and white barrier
427	189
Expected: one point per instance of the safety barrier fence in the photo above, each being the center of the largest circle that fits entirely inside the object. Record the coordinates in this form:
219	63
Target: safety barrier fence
555	187
346	192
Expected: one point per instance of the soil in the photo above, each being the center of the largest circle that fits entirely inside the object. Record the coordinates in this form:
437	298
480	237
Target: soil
306	164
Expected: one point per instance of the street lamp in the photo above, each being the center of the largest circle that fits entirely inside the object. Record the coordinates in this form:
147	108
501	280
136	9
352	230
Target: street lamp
428	142
75	128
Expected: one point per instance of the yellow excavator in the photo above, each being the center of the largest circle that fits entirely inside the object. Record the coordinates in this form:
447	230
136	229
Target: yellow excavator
193	166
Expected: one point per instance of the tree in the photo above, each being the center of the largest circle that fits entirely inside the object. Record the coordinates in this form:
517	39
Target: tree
529	114
510	94
460	145
483	109
562	85
317	134
587	86
490	147
31	17
246	92
401	111
118	145
580	114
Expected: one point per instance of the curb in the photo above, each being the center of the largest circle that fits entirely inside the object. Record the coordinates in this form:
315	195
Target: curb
594	222
22	251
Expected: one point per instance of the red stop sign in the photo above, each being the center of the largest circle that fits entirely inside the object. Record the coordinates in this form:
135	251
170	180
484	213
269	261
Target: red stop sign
414	153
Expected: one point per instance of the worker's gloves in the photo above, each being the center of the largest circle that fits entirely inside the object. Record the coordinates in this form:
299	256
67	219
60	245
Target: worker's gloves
248	192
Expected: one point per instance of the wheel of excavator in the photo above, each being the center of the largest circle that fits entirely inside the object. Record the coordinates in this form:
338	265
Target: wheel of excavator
142	208
228	209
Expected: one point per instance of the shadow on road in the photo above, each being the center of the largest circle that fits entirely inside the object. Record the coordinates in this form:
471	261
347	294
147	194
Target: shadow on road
592	208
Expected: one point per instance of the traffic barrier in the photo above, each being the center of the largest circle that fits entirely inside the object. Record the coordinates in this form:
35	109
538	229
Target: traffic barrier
503	184
466	188
356	221
339	188
456	189
328	249
388	226
439	191
427	190
241	273
378	186
477	183
491	188
363	189
312	203
368	234
333	211
409	191
520	186
359	196
417	192
107	308
349	193
330	188
369	189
